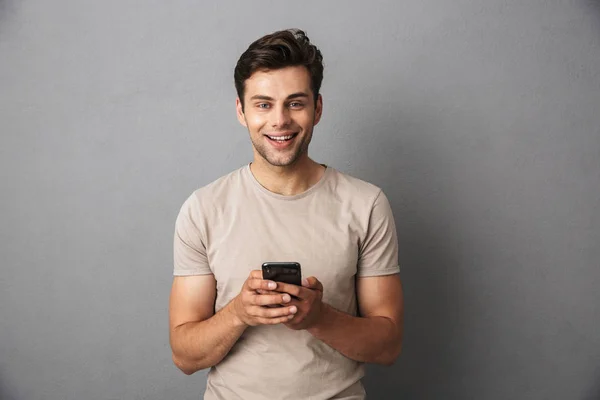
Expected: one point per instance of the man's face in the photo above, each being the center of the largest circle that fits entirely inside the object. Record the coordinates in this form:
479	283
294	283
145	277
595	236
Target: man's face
280	113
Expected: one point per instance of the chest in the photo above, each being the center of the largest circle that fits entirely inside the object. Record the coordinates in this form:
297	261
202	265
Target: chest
323	238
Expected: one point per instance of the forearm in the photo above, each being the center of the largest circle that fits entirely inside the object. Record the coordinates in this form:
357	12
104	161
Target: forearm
371	340
200	345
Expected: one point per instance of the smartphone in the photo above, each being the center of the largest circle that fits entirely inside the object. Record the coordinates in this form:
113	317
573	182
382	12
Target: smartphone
286	272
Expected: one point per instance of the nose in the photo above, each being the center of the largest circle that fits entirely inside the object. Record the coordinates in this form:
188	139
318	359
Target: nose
281	117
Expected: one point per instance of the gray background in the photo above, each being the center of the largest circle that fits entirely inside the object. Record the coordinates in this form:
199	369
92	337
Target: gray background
480	120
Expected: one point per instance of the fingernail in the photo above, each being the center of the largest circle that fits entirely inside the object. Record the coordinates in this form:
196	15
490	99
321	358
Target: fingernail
272	285
304	282
286	298
293	309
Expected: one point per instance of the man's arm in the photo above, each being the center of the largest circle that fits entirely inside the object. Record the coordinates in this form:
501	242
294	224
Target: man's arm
373	337
199	337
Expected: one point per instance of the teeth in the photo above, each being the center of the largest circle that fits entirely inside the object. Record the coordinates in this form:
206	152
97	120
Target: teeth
281	138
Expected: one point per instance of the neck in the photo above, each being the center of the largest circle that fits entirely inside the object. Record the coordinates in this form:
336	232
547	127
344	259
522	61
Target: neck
289	180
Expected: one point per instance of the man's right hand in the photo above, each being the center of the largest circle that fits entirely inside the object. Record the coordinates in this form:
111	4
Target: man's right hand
252	308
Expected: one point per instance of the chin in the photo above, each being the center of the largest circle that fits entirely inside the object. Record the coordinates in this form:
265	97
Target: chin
279	160
279	163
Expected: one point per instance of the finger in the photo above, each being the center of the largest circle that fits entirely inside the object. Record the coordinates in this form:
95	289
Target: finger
262	291
256	274
294	321
287	312
265	299
289	288
300	313
296	303
262	312
256	284
273	321
312	283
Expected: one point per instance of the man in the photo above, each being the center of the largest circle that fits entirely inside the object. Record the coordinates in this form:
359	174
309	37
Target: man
271	340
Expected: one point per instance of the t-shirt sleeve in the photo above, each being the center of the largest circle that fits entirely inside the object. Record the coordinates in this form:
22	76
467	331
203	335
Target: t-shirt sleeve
378	253
189	247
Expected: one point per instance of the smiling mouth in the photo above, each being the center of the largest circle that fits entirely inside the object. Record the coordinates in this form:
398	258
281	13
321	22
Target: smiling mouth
282	139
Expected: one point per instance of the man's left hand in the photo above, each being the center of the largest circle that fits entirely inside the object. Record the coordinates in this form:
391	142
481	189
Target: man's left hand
308	300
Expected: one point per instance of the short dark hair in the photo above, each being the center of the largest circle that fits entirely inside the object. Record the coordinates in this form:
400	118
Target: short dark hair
287	48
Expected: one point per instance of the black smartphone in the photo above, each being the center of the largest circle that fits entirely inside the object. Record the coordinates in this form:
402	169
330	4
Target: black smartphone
286	272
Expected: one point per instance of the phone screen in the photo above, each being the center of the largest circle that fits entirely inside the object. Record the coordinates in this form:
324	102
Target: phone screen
286	272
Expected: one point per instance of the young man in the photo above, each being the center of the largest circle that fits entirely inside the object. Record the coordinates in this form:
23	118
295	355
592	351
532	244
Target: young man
271	340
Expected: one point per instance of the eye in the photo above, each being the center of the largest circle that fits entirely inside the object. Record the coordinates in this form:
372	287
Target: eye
262	105
296	104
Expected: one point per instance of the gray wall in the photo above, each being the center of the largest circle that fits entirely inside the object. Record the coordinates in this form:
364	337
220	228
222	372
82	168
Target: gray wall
480	119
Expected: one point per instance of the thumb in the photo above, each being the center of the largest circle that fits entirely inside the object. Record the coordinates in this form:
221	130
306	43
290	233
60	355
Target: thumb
312	283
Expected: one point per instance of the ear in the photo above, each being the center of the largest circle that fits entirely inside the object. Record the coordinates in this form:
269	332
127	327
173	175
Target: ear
318	109
240	112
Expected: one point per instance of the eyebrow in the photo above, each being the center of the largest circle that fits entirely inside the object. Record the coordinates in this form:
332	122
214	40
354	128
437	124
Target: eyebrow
268	98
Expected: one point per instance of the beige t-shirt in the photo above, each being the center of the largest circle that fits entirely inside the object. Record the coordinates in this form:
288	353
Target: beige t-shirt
339	229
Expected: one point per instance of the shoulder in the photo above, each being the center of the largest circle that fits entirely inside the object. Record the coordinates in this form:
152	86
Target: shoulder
354	189
219	188
214	193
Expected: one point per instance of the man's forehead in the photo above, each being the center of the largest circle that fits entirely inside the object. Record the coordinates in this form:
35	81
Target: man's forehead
278	82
